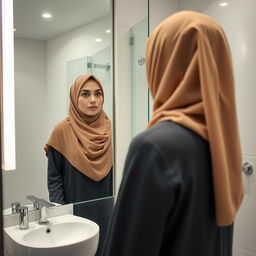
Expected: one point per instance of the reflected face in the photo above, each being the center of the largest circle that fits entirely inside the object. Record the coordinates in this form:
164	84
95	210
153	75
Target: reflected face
90	98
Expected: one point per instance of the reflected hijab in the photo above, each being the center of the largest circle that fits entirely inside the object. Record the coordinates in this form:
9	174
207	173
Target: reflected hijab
189	72
85	141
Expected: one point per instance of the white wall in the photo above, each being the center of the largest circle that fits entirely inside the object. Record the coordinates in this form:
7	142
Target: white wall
59	50
161	9
30	87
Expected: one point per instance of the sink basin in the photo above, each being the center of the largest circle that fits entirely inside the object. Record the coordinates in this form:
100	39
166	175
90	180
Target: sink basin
66	235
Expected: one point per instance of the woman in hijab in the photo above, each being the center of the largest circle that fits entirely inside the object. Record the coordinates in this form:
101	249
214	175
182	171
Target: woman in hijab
79	149
182	183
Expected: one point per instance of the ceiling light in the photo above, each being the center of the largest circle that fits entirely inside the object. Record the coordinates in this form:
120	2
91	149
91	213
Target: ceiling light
46	15
98	40
108	31
14	29
223	4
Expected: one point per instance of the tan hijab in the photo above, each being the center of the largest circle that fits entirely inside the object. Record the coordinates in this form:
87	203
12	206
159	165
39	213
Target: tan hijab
189	71
85	141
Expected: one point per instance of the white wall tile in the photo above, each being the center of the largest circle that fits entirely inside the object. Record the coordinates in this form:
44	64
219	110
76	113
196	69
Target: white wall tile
123	110
160	10
119	169
242	252
30	122
243	17
30	175
130	12
123	48
245	224
29	72
54	115
31	155
196	5
245	77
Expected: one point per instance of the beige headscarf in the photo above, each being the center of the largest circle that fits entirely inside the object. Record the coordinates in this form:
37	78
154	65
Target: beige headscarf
189	71
85	141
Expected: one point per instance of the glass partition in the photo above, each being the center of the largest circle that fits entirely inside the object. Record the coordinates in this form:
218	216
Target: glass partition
139	88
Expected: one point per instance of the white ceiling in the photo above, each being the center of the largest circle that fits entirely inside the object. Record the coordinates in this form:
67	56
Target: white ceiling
67	15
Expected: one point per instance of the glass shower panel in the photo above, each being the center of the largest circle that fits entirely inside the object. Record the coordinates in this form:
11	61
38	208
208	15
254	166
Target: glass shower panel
139	89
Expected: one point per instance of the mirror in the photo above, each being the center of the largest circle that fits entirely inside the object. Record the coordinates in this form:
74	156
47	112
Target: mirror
49	54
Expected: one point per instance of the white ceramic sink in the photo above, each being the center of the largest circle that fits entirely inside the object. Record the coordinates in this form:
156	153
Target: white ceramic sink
66	235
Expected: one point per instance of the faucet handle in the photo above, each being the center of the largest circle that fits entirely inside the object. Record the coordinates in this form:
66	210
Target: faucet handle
45	203
23	218
15	207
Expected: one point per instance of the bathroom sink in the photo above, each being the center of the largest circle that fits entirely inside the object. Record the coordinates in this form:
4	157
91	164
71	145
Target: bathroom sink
66	235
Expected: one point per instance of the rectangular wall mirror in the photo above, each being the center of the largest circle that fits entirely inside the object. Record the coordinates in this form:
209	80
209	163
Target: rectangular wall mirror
55	41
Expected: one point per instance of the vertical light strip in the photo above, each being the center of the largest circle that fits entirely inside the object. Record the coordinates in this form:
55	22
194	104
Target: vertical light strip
8	125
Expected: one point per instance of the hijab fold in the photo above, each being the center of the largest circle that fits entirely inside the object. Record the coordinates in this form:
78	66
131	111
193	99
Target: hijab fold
189	71
85	141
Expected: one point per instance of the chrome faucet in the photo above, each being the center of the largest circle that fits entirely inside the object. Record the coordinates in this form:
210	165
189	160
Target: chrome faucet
23	218
41	204
15	206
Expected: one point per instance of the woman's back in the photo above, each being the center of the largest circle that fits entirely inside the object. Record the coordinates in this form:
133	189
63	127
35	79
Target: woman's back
166	200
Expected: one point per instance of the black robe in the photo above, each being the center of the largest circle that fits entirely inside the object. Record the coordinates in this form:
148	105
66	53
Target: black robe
68	185
165	204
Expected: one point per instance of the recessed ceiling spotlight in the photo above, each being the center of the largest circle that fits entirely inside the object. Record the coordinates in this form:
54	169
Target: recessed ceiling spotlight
223	4
98	40
108	31
46	15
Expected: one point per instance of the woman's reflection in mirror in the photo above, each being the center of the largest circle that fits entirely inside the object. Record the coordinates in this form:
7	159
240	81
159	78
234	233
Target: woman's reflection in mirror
79	149
182	183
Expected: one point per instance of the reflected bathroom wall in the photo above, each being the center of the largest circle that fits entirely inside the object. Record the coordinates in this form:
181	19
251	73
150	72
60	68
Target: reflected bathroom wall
139	88
41	101
30	123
